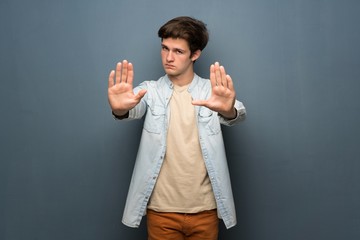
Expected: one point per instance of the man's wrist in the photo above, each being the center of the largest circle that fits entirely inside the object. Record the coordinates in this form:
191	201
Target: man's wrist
120	115
230	116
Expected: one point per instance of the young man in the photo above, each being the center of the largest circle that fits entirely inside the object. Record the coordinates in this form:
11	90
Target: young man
180	179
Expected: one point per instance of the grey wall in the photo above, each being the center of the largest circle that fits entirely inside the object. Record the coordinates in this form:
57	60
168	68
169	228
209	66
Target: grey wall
65	164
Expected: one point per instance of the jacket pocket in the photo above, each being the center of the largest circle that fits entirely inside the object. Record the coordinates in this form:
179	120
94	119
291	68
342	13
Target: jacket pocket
155	117
209	120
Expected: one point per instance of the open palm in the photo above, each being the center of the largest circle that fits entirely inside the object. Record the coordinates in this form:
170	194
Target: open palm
120	89
223	95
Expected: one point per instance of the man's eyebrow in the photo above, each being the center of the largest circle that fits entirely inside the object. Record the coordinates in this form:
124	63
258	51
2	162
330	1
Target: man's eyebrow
176	49
179	49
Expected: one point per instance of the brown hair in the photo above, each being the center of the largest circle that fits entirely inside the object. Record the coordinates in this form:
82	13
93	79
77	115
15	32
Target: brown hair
190	29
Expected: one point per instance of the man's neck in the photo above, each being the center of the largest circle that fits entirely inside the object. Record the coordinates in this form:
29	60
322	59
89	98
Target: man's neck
182	80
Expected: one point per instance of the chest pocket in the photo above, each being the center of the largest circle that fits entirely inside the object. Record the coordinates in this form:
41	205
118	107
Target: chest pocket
209	120
155	118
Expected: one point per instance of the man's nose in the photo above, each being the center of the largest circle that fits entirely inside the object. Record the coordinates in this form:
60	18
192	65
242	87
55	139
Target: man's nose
170	56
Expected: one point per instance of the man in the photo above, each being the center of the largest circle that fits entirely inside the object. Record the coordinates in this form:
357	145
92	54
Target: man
180	179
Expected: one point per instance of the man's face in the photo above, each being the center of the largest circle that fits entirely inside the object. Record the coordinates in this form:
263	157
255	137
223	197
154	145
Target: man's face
175	55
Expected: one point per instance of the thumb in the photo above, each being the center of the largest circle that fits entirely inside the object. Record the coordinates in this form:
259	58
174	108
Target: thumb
140	94
200	102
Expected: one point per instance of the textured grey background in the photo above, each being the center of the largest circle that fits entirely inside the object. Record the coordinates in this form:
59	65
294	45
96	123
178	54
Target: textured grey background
65	164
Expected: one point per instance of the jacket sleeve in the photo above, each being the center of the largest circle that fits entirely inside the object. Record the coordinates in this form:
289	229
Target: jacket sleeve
240	115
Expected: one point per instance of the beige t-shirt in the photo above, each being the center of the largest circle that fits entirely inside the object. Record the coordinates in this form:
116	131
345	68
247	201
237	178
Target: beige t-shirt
183	184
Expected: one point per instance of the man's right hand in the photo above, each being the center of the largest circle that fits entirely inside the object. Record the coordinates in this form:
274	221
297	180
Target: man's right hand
120	89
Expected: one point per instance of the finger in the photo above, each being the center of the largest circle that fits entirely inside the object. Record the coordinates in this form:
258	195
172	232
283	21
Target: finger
118	72
212	75
111	79
230	83
223	76
124	71
217	74
130	75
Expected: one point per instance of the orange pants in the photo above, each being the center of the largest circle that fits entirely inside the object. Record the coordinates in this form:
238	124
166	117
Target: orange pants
181	226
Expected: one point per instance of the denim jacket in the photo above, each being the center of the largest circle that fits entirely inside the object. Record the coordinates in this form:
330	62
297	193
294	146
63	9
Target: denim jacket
150	156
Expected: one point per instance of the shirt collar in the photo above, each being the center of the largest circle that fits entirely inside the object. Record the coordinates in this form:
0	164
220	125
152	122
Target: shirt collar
191	86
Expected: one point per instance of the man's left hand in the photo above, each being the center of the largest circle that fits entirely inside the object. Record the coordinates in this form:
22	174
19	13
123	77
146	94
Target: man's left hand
223	94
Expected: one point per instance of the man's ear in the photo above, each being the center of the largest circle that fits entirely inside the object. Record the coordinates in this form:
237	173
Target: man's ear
195	55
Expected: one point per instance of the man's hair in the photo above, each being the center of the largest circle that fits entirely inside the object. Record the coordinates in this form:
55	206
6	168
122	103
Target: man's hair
193	31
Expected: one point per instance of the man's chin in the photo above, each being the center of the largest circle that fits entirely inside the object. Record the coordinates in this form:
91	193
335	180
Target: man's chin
170	72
